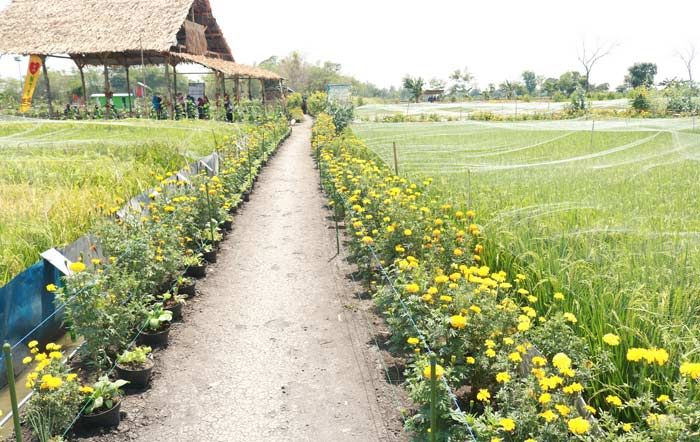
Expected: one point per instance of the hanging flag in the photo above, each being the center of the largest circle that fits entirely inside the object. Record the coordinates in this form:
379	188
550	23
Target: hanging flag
30	82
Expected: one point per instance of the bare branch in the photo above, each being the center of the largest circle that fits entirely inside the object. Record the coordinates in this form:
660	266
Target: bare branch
687	56
589	57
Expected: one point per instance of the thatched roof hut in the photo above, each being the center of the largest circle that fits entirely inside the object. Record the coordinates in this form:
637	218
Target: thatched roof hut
114	32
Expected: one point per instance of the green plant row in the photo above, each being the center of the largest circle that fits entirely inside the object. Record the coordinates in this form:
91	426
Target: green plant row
111	302
516	364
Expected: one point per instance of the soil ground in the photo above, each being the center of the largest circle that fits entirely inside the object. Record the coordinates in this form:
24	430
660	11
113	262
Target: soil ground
278	345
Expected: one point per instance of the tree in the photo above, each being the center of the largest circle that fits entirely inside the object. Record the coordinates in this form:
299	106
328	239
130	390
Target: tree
530	80
437	83
414	86
550	86
569	81
588	57
688	56
641	74
461	82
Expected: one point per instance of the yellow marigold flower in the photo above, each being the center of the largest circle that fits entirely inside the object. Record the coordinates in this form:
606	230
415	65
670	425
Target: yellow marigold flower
611	339
559	296
563	409
489	343
490	353
515	357
55	355
626	427
27	360
439	371
87	390
40	357
471	360
614	400
524	323
427	297
71	377
573	388
545	398
413	341
51	288
367	240
502	377
446	298
49	382
77	267
561	361
578	425
475	308
408	232
33	344
457	252
507	424
691	370
663	398
508	341
483	395
539	361
458	322
412	288
570	317
548	416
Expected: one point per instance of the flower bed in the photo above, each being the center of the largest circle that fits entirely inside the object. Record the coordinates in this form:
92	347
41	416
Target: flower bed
509	371
131	295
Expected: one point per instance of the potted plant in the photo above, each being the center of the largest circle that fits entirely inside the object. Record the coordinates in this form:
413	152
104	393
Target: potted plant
195	266
173	303
209	253
157	327
102	405
136	366
185	286
227	225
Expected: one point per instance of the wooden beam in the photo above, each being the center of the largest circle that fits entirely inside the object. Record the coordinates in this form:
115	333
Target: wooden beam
237	88
250	89
170	88
262	91
48	86
81	67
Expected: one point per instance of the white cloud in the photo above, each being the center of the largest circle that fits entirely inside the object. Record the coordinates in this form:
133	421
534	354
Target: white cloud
380	41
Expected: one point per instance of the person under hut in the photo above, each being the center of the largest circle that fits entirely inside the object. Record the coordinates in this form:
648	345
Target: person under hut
228	106
157	103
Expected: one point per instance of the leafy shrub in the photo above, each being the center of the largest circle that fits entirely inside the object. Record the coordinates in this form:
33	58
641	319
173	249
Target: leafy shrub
317	103
640	99
296	113
294	100
342	115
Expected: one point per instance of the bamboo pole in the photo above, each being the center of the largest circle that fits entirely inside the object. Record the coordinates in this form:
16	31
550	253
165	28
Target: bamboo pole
9	368
262	91
82	82
48	86
108	107
170	87
128	91
237	88
250	89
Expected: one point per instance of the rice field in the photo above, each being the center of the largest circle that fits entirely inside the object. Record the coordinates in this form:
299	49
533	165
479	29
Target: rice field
57	177
607	216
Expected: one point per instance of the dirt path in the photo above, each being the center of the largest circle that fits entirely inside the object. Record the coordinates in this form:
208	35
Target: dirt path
272	348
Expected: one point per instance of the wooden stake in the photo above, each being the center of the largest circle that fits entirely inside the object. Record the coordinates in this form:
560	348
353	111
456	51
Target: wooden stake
48	86
128	92
396	160
250	89
108	107
262	91
237	88
82	81
170	87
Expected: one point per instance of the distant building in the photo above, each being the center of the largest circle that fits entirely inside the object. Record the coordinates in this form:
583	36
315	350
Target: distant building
432	95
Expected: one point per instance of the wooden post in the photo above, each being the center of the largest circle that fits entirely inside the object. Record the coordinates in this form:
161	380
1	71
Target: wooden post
237	88
48	86
250	89
282	96
223	83
262	91
9	368
82	82
174	90
396	160
128	91
108	106
170	87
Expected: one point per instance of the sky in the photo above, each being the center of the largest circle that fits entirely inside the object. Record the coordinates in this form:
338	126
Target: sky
383	40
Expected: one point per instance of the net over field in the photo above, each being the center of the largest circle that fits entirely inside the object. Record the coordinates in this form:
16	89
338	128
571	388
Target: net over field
610	216
56	175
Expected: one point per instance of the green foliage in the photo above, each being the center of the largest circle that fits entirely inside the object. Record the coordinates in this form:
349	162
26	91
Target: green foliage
640	99
578	101
317	103
641	75
294	100
134	358
296	113
105	396
414	87
342	115
157	318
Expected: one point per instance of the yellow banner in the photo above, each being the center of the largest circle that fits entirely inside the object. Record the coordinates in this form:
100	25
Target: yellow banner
30	82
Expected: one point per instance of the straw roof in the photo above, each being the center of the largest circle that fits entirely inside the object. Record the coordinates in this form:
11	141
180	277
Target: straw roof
108	30
228	67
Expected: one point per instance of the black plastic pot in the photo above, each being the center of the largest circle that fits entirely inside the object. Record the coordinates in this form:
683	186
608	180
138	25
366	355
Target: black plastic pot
210	257
246	196
196	271
187	290
155	339
138	378
176	310
103	419
227	225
